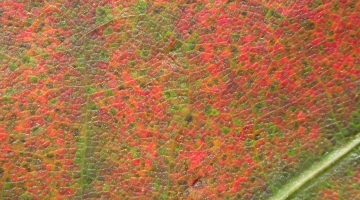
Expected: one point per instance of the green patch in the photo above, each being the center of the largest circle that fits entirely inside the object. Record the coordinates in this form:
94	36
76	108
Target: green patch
92	106
103	155
199	7
198	136
34	79
106	187
209	141
308	25
156	184
88	176
258	106
62	23
145	53
8	185
273	13
176	108
306	70
13	66
89	89
136	152
29	21
109	30
273	88
73	39
134	74
292	109
326	184
103	15
225	78
315	4
237	131
177	45
197	83
132	63
9	91
164	196
143	72
190	43
60	48
249	142
104	56
353	126
157	37
137	74
210	111
45	56
291	152
116	44
321	49
169	94
162	151
152	25
350	172
183	85
53	101
225	130
114	111
6	100
109	93
235	37
238	122
141	7
272	130
37	130
278	56
42	76
26	196
258	126
25	60
48	118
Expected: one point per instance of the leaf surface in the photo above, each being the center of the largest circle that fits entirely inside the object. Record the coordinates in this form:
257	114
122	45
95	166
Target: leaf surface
179	99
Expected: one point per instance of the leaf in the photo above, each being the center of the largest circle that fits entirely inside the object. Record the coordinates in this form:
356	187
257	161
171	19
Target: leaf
179	100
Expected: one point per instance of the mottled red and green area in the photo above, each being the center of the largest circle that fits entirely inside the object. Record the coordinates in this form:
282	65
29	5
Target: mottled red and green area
206	99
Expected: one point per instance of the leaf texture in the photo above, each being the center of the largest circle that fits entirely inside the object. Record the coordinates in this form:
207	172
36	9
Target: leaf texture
172	99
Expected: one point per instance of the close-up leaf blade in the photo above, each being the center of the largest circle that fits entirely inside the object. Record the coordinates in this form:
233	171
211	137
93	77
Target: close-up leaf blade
208	99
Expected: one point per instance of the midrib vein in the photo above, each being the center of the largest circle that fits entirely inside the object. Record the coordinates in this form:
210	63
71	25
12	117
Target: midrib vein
315	169
85	130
